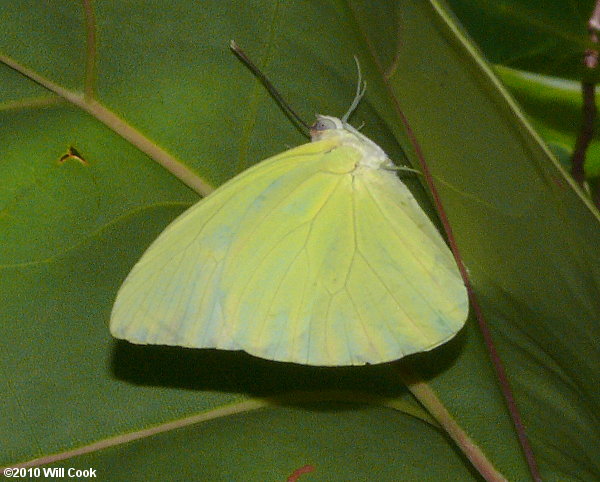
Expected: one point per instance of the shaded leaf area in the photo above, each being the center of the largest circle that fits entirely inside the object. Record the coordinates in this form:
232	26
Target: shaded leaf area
554	108
74	231
341	442
545	37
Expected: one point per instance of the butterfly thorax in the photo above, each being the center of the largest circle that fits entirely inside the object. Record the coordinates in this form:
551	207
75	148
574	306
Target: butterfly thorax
328	127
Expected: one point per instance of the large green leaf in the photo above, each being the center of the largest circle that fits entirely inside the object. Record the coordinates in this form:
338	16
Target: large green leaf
71	231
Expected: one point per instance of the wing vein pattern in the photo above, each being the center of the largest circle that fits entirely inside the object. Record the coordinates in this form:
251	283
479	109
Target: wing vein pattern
307	257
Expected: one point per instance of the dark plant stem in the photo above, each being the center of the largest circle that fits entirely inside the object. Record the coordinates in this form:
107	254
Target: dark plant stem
586	133
589	110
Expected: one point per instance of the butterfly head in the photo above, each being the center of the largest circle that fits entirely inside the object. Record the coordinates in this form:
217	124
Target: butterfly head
324	127
328	127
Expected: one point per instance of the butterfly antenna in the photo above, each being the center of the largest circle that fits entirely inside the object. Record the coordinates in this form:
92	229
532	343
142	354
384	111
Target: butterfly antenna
267	83
361	88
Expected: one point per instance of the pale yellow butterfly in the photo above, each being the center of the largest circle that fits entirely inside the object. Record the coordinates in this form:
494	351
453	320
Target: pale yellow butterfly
319	255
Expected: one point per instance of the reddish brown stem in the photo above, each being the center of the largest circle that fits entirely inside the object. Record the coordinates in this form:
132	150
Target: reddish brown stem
495	358
299	472
586	134
589	110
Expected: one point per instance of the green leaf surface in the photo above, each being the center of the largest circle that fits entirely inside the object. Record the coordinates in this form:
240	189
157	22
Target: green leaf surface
340	442
71	231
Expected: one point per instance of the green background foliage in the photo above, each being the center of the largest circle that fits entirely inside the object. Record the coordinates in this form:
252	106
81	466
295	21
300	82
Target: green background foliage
70	232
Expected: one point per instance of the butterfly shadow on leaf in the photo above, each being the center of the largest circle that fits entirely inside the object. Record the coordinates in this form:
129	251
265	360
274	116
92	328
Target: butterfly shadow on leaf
238	372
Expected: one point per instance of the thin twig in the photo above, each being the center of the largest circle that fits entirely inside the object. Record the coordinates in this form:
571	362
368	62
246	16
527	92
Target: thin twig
589	110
